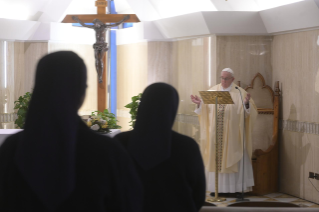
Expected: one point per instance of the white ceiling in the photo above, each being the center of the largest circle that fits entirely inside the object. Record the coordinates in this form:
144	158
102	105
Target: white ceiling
149	10
163	19
33	9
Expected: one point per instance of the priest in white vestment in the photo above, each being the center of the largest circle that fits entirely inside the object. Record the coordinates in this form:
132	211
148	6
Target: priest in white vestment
230	137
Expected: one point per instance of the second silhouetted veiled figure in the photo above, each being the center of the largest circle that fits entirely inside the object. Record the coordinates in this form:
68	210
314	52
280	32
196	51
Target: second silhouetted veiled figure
169	164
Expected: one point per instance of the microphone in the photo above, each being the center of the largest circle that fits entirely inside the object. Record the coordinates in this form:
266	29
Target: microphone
241	97
242	199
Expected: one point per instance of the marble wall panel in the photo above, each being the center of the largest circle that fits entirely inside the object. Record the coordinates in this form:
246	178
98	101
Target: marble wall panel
86	52
32	53
295	64
246	55
26	57
298	157
21	59
213	78
19	70
194	69
132	76
10	91
173	75
184	74
159	63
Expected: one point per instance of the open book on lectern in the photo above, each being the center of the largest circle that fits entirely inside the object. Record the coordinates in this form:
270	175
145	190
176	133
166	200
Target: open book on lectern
209	97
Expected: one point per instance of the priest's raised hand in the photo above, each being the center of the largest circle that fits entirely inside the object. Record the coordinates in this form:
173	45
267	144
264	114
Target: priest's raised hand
195	99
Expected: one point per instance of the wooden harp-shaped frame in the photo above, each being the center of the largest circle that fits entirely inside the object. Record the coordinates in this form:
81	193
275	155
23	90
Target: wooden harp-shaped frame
265	163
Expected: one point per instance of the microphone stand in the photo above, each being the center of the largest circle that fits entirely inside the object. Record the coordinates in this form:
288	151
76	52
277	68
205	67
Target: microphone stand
241	199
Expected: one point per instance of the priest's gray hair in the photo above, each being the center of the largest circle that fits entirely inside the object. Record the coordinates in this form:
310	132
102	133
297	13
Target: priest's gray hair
229	71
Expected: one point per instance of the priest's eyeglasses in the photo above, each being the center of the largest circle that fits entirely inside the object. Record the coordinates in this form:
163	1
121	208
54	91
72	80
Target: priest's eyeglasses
226	79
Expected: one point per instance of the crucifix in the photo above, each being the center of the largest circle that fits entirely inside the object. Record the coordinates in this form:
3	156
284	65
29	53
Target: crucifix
100	47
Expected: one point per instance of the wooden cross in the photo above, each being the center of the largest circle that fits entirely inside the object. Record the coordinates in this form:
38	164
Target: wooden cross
105	18
101	15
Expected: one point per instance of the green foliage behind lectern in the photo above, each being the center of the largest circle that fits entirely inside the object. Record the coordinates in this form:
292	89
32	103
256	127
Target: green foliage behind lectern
22	104
133	106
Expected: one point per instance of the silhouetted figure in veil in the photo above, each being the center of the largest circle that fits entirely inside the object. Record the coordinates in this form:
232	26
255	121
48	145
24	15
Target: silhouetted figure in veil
57	163
100	47
169	164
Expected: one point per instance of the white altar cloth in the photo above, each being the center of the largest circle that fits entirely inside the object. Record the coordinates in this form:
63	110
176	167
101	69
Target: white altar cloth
4	133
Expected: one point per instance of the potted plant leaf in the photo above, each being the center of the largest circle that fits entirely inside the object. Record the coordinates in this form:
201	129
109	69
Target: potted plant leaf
133	106
22	105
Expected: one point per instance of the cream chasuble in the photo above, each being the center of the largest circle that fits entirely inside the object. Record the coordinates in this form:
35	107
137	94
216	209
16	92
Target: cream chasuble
230	134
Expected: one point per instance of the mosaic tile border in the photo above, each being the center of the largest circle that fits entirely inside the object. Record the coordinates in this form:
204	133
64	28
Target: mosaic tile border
302	127
8	117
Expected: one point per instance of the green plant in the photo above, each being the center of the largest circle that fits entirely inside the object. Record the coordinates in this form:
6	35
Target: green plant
22	104
108	117
133	106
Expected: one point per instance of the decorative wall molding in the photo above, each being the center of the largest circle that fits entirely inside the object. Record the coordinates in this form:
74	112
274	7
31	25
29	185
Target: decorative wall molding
301	127
8	117
187	118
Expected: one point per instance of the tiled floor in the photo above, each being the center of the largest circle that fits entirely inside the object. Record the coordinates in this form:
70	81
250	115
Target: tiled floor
274	197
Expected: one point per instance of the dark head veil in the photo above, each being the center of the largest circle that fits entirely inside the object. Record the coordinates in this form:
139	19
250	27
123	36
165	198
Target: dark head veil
150	143
46	152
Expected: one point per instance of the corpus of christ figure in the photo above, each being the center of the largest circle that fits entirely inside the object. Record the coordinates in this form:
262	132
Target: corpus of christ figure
100	47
